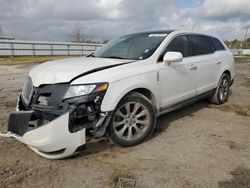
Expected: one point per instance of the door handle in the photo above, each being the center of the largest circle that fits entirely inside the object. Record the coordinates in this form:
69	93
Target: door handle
193	67
218	62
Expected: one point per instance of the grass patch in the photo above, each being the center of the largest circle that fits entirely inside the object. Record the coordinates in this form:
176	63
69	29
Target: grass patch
28	59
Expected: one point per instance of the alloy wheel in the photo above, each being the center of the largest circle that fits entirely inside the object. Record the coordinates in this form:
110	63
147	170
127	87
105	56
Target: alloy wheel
224	89
131	121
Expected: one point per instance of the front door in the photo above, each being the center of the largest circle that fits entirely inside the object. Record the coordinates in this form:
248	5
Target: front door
175	78
175	82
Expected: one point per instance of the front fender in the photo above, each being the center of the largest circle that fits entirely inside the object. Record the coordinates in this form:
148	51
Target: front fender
118	89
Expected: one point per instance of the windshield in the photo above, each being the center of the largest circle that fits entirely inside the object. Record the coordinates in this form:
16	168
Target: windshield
135	46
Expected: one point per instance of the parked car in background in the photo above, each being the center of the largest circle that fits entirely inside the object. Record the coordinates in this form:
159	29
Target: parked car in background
119	90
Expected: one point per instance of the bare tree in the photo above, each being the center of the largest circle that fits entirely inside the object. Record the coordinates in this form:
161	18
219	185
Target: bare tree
77	35
1	30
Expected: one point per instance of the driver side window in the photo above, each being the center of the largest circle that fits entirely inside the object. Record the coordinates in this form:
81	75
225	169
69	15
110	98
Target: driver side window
178	44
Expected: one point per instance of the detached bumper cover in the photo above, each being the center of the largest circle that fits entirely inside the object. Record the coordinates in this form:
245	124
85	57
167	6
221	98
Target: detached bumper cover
52	140
19	122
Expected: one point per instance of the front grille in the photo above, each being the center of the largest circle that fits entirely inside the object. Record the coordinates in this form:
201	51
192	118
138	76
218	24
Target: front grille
27	91
45	115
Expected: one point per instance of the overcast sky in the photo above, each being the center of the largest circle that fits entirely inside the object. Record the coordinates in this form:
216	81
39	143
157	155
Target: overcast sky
105	19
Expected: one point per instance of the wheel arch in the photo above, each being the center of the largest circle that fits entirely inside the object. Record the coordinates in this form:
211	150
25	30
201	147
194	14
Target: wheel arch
142	89
227	72
147	93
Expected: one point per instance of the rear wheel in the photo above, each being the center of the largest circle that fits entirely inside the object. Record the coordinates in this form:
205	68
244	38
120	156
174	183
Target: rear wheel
132	121
222	91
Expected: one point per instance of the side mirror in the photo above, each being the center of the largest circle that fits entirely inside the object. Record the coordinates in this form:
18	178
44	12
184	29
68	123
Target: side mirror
171	57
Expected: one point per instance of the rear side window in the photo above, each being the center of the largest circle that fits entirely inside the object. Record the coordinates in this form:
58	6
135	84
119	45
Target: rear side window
201	45
217	44
178	44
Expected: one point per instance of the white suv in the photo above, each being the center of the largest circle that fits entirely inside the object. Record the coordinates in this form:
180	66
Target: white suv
119	90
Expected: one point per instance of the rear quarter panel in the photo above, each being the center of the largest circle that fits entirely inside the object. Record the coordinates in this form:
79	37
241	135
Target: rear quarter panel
227	60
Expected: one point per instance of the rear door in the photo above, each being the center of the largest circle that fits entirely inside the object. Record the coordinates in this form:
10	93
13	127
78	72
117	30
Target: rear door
205	61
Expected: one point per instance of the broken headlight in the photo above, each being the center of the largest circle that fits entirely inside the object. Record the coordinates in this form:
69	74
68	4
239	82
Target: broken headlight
80	90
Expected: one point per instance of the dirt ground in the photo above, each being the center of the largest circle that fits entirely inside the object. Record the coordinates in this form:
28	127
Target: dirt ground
202	145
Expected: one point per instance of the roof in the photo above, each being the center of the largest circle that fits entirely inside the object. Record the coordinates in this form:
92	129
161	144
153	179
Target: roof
177	31
155	32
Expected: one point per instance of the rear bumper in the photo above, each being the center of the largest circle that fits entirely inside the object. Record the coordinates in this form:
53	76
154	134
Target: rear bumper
52	140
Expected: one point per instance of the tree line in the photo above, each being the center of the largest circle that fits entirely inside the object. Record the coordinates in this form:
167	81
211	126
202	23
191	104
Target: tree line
238	44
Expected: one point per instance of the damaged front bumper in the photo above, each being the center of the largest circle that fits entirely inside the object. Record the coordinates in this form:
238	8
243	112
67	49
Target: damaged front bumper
52	140
58	129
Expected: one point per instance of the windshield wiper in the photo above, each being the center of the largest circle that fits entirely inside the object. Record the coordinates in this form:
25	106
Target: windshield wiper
115	57
91	55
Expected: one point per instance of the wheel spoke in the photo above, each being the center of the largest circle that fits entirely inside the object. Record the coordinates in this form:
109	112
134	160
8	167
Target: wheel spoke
117	124
121	132
127	107
225	90
138	130
221	94
224	82
130	134
136	108
142	113
143	122
120	114
226	85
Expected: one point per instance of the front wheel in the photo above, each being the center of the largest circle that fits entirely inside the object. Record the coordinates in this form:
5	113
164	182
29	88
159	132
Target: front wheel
222	91
132	121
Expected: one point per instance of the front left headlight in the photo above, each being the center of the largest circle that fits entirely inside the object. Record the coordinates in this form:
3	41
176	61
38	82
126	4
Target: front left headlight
80	90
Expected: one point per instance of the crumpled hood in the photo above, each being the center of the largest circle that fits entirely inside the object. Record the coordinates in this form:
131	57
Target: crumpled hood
62	71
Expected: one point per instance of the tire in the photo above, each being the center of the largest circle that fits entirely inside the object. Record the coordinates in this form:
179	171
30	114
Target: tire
222	91
132	121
